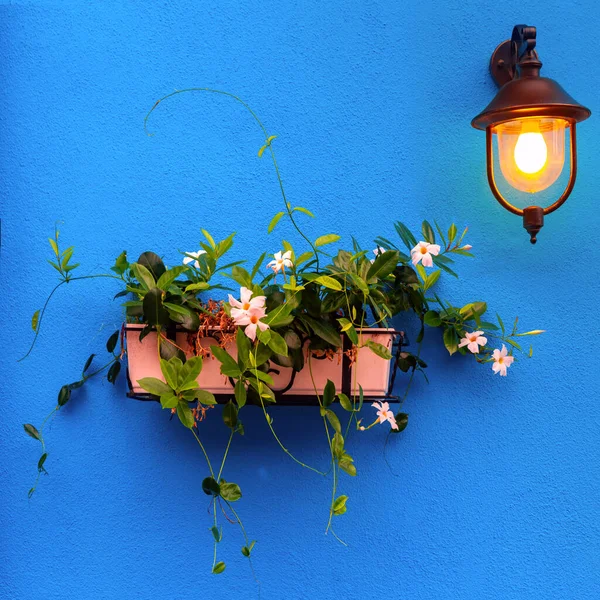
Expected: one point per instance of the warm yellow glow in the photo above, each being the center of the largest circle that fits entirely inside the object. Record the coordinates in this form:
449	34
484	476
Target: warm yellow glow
531	152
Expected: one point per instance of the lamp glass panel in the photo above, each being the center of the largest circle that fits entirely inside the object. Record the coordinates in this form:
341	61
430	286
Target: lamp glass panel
531	152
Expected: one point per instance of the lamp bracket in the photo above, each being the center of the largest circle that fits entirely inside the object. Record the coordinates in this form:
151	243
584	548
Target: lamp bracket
516	57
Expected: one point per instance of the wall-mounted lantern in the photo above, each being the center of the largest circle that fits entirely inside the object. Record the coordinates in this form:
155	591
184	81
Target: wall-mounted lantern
531	116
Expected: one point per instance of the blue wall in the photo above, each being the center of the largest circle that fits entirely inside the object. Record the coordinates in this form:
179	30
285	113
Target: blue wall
495	486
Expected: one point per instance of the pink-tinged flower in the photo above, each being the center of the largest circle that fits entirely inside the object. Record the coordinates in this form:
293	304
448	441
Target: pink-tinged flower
246	304
466	247
377	252
473	340
385	414
422	253
501	361
188	259
252	321
281	262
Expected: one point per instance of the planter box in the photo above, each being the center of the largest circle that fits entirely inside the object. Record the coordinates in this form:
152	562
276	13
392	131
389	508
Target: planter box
370	371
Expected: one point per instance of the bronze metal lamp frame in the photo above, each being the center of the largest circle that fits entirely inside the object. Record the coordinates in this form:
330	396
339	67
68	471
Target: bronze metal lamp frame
533	216
515	67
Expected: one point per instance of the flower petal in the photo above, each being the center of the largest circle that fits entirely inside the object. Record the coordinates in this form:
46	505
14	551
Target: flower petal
250	331
245	295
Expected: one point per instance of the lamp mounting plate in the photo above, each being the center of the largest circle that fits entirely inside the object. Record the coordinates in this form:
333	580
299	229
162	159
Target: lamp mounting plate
502	63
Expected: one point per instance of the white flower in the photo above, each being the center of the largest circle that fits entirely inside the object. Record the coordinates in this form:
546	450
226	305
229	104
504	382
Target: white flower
473	340
252	320
281	262
501	361
188	259
246	305
466	247
422	252
377	252
385	414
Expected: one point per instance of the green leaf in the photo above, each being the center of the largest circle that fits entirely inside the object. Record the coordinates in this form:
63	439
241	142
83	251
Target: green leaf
170	370
533	332
41	462
329	282
345	402
242	276
88	363
379	349
274	221
339	506
303	210
219	568
217	534
189	372
303	258
197	287
431	279
209	238
384	264
168	277
121	264
428	233
330	238
451	340
500	323
154	386
210	487
349	330
35	320
240	393
169	400
513	343
277	344
230	415
184	316
360	283
334	421
64	395
432	318
337	445
441	234
451	233
323	330
257	265
185	415
228	365
262	376
405	235
143	276
111	344
113	372
153	263
230	492
347	465
54	246
31	431
205	397
401	421
154	311
328	393
243	348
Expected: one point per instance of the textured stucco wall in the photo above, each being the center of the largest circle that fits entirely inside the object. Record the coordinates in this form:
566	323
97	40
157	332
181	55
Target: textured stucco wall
495	487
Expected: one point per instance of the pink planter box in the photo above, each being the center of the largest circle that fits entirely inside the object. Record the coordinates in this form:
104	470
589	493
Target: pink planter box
370	371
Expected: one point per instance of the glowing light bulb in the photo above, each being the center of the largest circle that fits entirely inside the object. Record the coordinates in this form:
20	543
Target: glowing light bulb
531	152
